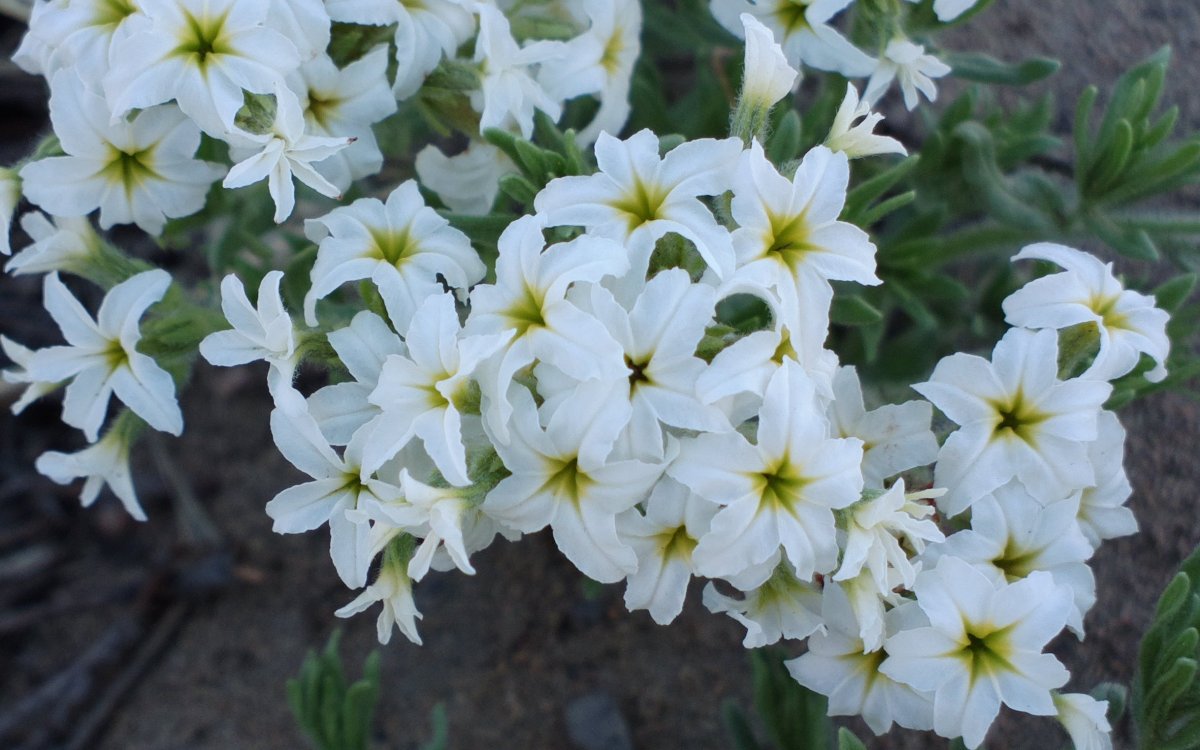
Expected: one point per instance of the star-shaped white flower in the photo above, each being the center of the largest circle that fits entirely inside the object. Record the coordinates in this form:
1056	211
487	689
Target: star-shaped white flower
600	62
529	296
105	462
202	54
779	491
346	102
840	666
421	393
263	331
782	606
789	238
561	478
663	539
402	245
1014	533
138	171
982	648
907	62
339	484
101	356
1017	419
287	149
638	196
509	94
1087	292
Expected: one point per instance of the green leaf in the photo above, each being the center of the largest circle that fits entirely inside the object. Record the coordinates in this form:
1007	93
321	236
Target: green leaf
739	727
985	69
848	741
853	310
441	729
518	188
784	144
1171	295
870	190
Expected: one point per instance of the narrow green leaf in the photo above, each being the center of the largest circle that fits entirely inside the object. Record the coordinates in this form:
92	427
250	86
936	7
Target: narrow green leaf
784	144
1171	295
518	188
848	741
880	211
1083	126
869	191
853	310
739	727
985	69
1111	163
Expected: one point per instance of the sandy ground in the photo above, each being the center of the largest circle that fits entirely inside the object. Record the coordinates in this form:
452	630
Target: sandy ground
506	651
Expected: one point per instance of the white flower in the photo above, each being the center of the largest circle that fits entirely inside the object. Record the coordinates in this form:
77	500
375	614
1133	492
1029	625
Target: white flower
202	54
138	171
303	22
259	332
875	528
663	540
64	245
560	478
101	357
105	462
599	61
1102	511
10	196
363	346
1085	720
780	491
401	245
425	32
421	393
529	296
766	76
286	150
839	665
1086	291
907	62
467	182
78	35
508	93
22	357
803	25
39	43
338	487
445	513
789	238
783	606
1018	419
638	196
658	337
896	437
856	141
393	588
346	102
983	647
740	372
948	10
1013	533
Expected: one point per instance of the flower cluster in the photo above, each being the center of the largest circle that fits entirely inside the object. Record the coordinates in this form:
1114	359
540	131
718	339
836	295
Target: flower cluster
597	377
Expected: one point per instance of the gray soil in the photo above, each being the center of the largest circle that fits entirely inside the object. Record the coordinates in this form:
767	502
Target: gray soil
192	633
